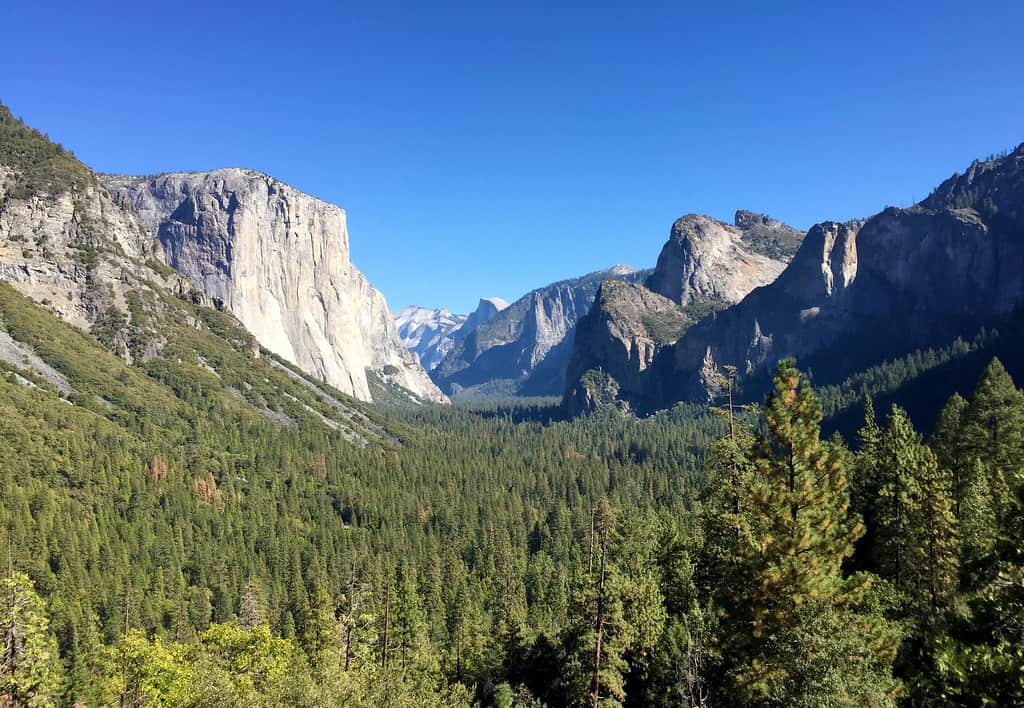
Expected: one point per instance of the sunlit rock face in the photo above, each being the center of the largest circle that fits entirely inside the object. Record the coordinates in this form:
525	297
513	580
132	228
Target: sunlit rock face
278	260
705	259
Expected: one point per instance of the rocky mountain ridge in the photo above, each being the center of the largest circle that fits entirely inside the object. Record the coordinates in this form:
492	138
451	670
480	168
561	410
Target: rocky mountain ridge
859	293
427	332
704	266
525	348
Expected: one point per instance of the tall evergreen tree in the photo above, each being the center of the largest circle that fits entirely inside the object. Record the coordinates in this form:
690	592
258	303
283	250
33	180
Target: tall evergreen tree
358	626
774	646
321	637
945	441
864	486
993	431
916	545
409	627
30	667
617	612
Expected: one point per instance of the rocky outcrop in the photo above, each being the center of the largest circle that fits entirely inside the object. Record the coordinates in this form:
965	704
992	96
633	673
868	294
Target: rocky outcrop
615	344
62	248
748	334
66	244
278	260
990	188
524	349
705	266
705	260
859	293
431	333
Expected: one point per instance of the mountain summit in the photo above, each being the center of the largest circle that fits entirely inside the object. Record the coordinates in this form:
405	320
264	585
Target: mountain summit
854	295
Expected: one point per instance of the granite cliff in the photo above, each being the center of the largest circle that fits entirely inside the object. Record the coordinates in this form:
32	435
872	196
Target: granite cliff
278	260
706	260
616	342
75	258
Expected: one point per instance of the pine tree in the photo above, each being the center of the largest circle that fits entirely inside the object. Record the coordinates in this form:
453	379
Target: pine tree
977	520
467	632
935	558
774	646
617	610
679	669
595	663
801	499
251	613
983	662
894	458
409	627
320	632
725	511
86	655
945	441
357	626
993	431
30	668
864	486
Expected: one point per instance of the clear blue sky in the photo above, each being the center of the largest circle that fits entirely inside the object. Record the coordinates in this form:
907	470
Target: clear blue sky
486	148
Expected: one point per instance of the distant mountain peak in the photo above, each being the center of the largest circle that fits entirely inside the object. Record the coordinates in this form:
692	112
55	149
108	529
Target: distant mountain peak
523	349
496	302
430	333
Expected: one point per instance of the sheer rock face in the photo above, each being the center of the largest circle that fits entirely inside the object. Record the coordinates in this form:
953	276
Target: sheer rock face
858	293
705	259
431	333
525	348
278	260
796	312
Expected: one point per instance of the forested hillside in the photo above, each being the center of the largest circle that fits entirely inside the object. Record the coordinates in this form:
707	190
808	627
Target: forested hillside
172	544
156	497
